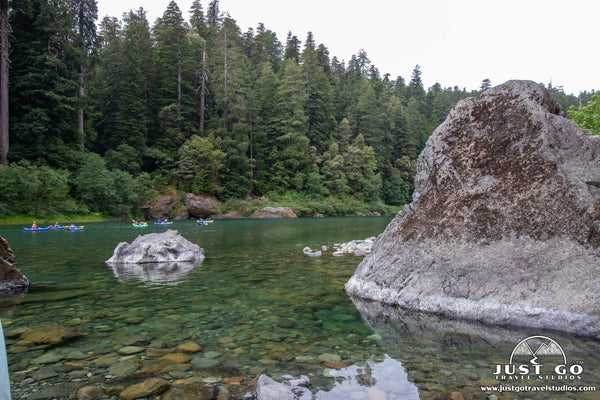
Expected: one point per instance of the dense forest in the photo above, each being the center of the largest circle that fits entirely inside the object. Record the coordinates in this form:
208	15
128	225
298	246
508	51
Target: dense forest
102	116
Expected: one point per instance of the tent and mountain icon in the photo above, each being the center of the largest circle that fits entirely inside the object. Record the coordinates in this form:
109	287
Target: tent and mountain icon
537	347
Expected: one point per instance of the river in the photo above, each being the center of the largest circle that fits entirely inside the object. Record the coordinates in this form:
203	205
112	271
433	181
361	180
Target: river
258	305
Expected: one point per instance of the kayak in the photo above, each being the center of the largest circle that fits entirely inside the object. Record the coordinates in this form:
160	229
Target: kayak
164	223
204	221
139	224
75	228
36	229
55	227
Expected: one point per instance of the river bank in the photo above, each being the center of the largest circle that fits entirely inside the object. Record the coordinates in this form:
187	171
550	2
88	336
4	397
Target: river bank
232	208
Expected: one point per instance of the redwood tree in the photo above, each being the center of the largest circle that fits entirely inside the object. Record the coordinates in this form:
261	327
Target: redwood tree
4	27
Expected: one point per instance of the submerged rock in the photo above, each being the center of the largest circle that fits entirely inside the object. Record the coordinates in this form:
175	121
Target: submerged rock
51	334
268	389
166	247
504	225
12	281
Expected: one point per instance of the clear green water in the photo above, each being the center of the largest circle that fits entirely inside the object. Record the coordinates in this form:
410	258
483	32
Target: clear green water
259	304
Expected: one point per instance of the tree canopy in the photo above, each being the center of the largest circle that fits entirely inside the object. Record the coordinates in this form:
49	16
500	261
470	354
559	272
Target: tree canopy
198	104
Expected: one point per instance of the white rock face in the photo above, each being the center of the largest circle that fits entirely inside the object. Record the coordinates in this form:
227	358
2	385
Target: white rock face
166	247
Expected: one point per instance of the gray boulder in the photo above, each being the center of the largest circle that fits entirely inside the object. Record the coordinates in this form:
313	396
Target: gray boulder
504	225
166	247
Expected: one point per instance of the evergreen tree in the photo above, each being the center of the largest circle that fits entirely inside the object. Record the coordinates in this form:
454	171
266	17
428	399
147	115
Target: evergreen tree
333	170
264	103
45	82
291	160
292	48
319	107
131	124
485	84
230	86
4	60
198	20
170	32
86	15
107	81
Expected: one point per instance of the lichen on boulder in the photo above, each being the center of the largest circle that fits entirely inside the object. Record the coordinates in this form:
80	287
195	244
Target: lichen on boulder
504	225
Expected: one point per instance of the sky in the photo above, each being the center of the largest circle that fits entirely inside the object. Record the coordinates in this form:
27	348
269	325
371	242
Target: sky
455	42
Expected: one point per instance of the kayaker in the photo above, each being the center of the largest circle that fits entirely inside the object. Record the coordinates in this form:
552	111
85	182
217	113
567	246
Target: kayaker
34	226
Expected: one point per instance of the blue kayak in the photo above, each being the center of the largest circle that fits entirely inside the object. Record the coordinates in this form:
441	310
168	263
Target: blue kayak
75	228
164	223
36	229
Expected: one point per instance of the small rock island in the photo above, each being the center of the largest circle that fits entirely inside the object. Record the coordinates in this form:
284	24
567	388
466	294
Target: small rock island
504	226
166	247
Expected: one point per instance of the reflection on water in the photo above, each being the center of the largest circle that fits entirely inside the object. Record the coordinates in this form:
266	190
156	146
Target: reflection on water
153	273
257	304
378	375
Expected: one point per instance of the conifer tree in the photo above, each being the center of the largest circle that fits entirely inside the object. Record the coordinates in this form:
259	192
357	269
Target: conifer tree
4	60
86	15
319	106
107	81
292	162
170	32
45	81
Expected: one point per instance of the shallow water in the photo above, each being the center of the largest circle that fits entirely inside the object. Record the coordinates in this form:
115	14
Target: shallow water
258	304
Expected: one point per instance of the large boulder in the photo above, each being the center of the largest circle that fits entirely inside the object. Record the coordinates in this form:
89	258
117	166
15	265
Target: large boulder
165	205
504	224
12	281
166	247
274	212
200	206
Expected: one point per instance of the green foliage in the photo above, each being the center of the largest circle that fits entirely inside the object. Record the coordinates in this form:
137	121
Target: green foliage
200	165
200	105
113	192
36	190
588	117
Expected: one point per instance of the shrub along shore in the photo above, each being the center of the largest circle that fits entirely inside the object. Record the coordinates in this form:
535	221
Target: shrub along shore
303	207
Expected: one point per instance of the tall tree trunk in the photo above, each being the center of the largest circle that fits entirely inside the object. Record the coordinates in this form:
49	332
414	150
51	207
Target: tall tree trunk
80	109
4	80
202	91
225	83
179	88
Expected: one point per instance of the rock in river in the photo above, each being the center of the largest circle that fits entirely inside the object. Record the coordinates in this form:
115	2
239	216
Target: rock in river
504	225
166	247
12	281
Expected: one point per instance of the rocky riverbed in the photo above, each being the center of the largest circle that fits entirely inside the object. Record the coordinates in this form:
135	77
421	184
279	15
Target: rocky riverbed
132	357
